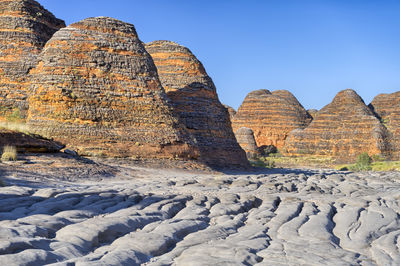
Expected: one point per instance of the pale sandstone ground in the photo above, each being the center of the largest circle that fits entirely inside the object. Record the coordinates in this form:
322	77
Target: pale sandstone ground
124	214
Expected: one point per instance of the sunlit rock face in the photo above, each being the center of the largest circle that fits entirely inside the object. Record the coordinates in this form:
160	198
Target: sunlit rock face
195	101
271	116
96	89
387	108
25	27
343	129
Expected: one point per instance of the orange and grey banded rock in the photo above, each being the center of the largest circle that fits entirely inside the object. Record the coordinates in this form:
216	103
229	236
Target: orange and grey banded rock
195	101
387	108
231	111
245	138
313	112
271	115
343	129
96	89
25	27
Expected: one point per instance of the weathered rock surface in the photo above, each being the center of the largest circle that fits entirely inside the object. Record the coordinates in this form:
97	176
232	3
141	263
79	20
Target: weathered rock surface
245	138
231	111
27	143
196	103
343	129
313	112
387	107
25	27
158	217
96	89
271	115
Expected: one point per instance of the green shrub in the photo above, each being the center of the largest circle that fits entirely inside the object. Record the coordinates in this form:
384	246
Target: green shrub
264	162
9	154
363	163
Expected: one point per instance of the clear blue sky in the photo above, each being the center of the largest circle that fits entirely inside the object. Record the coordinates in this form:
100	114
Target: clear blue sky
314	48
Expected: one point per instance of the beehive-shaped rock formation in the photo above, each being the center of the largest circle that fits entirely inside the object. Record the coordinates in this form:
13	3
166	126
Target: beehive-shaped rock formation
25	26
245	138
196	103
271	116
387	107
96	89
343	129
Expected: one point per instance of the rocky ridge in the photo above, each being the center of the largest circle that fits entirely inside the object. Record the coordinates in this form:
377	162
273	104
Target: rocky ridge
387	108
271	115
25	27
96	89
195	102
343	129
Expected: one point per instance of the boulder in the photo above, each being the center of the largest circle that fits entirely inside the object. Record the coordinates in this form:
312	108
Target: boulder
245	138
27	143
387	108
195	101
96	89
343	129
271	115
25	27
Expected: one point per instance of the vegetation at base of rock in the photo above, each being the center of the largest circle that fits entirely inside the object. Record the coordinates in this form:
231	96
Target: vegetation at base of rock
264	162
2	184
9	154
363	163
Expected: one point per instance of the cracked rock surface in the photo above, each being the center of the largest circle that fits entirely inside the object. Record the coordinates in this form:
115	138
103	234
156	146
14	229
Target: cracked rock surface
173	217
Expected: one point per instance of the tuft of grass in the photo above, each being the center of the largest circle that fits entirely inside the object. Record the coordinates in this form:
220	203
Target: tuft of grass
9	154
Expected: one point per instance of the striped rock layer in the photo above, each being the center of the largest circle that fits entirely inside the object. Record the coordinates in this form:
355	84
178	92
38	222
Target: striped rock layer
387	108
271	116
245	138
25	27
231	111
196	103
96	89
343	129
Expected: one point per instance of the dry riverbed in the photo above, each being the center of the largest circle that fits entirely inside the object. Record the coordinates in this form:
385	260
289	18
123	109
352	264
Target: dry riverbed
63	211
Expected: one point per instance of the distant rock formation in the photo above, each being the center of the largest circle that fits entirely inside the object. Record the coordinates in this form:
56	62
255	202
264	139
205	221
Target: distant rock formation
27	143
196	103
271	116
343	129
25	27
387	107
231	111
245	138
96	89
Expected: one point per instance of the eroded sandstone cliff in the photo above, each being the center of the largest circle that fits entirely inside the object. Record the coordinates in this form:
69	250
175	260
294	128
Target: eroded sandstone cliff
96	89
25	27
195	101
387	108
343	129
271	115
